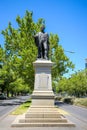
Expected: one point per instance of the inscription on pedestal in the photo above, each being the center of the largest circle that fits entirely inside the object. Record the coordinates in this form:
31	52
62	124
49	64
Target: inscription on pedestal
43	81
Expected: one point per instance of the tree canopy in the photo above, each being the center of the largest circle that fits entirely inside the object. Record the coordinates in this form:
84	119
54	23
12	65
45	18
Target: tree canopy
76	85
20	51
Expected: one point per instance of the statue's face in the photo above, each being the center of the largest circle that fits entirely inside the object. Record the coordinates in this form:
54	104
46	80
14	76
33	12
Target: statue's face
42	28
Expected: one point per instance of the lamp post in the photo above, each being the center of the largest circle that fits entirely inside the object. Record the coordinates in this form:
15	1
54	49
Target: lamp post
69	51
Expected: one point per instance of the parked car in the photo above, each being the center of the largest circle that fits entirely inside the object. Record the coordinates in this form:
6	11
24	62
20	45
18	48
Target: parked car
2	96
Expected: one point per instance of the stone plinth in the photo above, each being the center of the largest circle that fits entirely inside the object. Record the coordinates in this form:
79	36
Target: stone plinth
43	94
42	112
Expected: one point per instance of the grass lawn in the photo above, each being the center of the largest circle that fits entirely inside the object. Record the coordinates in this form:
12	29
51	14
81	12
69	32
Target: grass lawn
81	102
22	108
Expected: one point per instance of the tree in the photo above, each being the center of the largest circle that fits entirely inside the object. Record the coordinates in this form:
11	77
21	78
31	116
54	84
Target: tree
21	52
76	85
62	64
2	71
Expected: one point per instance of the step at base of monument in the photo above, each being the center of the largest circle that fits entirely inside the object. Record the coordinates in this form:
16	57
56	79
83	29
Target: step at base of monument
42	117
43	120
44	124
42	112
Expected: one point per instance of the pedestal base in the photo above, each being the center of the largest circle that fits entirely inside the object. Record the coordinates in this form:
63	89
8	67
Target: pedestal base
43	98
42	112
42	117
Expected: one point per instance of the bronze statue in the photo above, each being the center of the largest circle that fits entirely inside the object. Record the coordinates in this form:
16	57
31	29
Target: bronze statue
42	43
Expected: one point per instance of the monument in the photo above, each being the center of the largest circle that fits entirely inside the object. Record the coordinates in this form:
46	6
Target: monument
42	112
42	43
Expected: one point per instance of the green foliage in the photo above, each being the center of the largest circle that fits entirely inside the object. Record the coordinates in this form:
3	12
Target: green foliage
19	53
62	64
76	85
22	108
68	100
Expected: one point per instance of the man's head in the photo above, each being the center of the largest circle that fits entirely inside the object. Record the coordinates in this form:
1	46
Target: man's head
42	28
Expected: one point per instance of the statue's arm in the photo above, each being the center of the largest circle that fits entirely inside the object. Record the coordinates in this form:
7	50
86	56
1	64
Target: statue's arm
35	36
36	39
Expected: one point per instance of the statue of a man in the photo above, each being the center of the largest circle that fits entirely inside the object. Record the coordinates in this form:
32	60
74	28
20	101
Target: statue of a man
42	43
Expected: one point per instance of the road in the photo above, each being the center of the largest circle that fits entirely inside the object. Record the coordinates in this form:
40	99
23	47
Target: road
8	105
78	114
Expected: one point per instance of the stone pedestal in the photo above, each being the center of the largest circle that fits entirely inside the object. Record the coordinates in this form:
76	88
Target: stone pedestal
43	94
42	112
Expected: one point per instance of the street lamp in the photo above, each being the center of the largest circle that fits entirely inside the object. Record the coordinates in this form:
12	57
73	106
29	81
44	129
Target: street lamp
69	51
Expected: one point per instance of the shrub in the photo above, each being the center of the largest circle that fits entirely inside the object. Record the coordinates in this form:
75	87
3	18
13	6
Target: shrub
58	98
68	100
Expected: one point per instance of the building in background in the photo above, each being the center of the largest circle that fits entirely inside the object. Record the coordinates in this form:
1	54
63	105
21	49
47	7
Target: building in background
86	63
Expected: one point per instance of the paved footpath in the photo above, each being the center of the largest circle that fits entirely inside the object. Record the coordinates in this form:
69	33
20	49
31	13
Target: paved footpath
5	124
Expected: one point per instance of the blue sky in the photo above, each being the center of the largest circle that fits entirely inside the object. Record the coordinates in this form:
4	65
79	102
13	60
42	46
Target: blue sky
67	18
